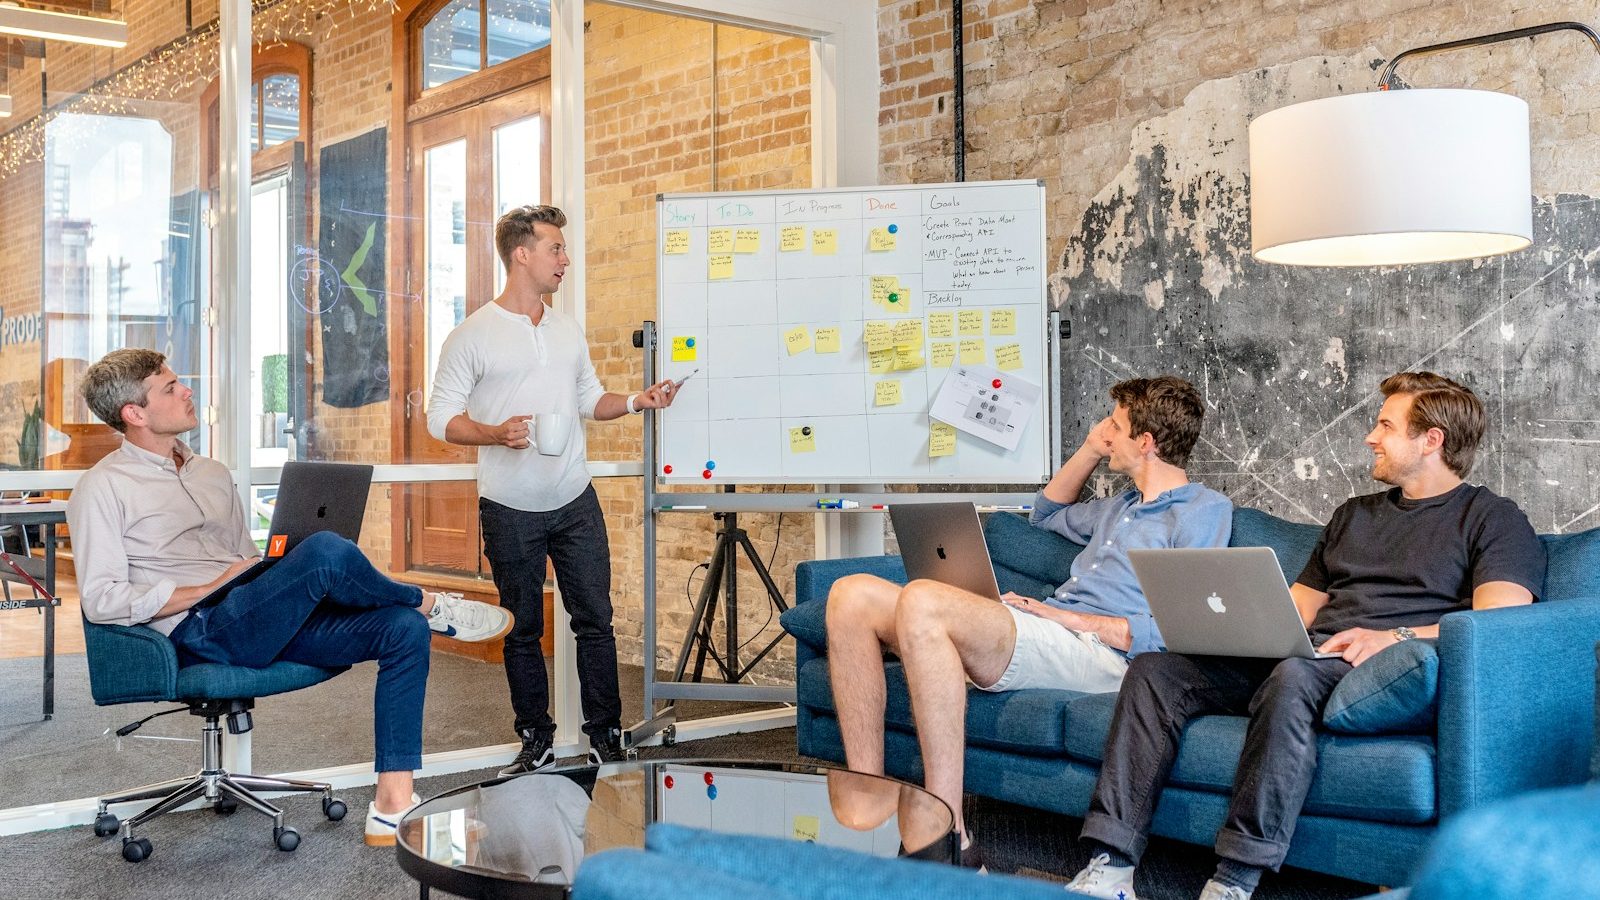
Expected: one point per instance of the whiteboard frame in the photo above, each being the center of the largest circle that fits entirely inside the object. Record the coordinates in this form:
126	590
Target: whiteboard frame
1047	450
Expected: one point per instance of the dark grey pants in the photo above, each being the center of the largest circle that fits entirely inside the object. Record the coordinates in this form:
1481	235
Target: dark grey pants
573	537
1161	693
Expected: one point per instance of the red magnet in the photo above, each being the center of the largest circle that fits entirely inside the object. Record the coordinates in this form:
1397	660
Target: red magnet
706	474
666	470
709	778
997	382
668	782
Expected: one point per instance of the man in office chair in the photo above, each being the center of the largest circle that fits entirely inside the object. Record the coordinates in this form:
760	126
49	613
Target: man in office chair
156	528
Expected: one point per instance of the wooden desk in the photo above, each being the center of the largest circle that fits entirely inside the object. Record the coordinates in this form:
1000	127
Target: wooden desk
48	515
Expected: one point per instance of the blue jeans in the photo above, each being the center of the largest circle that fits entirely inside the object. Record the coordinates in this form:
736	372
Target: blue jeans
324	605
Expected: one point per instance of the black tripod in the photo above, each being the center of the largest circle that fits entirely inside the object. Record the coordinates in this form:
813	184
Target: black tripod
722	573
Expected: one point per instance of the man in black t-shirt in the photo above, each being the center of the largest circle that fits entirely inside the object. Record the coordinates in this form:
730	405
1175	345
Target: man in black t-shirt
1387	567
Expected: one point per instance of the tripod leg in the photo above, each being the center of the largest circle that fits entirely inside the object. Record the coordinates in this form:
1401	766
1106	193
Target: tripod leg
773	594
696	622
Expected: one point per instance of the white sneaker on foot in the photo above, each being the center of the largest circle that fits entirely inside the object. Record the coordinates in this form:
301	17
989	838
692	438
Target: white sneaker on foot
1103	880
381	826
1216	890
468	620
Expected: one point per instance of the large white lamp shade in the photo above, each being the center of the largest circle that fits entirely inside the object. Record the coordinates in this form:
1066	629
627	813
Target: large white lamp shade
1391	177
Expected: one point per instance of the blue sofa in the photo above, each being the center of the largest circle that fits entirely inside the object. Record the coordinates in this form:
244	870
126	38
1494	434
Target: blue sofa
1516	711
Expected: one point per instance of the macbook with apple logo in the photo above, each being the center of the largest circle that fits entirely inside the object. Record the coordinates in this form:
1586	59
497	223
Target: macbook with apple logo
943	542
1223	601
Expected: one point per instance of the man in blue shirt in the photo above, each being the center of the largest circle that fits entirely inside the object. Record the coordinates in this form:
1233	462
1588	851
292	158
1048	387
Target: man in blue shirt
1080	639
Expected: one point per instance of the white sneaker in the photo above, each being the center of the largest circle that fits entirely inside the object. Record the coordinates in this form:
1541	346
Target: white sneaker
1103	880
468	620
381	826
1216	890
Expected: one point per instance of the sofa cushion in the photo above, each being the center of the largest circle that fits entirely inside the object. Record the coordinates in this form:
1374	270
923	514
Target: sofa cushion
1380	779
808	622
1394	692
1569	568
1291	541
1026	559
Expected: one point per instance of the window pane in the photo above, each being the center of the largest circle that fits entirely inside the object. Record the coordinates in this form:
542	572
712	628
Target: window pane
280	103
269	318
451	43
445	221
255	117
517	27
517	150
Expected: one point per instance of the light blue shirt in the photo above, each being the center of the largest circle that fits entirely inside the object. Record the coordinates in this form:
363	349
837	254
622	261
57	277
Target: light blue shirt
1102	581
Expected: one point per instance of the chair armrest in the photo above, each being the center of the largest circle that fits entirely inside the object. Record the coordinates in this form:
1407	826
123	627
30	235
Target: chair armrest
1516	700
129	664
813	578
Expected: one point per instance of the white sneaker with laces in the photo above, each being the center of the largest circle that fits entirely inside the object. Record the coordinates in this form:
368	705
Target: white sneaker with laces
1103	880
381	826
468	620
1216	890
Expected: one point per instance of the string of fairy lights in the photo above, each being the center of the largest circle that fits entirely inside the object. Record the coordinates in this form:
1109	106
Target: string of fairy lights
178	70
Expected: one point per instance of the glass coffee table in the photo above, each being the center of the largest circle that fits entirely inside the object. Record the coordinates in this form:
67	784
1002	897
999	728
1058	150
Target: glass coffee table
526	836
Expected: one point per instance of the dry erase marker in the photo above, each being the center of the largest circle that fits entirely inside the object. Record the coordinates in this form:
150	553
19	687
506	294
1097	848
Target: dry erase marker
679	383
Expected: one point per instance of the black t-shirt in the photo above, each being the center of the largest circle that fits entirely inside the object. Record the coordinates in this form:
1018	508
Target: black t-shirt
1386	561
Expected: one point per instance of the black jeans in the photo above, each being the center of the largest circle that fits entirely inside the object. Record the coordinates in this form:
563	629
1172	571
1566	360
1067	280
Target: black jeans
1161	693
574	538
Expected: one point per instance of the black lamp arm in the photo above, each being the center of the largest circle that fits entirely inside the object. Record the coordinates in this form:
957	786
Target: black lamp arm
1386	80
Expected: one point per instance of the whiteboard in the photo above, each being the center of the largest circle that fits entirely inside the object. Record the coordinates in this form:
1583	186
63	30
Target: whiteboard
780	300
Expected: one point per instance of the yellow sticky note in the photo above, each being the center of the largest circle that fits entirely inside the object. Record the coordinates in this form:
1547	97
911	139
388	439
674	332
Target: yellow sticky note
887	393
747	240
1002	321
720	241
972	353
828	339
879	336
882	287
824	241
798	340
1008	358
677	242
969	322
906	360
908	334
683	349
792	238
899	299
880	361
944	353
879	240
941	440
806	828
802	440
721	266
942	324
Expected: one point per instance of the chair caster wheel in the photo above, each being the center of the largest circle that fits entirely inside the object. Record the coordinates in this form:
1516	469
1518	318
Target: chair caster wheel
136	849
333	808
105	825
225	806
287	838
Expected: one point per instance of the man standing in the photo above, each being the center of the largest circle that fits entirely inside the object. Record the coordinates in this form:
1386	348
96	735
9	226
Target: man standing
511	360
156	529
1386	569
1081	639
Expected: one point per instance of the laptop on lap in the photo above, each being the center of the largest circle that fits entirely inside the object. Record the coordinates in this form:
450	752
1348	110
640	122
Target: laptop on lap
943	542
1223	601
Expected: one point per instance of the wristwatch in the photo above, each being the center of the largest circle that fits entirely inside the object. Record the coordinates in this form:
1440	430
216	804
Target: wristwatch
1402	633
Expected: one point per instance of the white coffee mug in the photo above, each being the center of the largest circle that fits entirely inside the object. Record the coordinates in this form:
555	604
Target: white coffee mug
550	433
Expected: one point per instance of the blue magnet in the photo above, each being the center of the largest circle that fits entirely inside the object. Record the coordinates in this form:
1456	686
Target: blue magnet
711	464
712	792
893	228
689	342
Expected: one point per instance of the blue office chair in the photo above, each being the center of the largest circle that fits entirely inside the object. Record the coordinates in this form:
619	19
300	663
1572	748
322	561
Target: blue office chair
139	664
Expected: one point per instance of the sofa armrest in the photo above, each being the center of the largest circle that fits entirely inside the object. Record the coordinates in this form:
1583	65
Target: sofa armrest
813	578
1516	700
129	664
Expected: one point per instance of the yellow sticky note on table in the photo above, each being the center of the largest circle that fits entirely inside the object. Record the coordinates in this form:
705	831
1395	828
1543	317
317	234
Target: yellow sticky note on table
908	334
828	339
747	240
807	828
879	240
792	238
683	349
720	266
880	361
887	393
798	340
802	440
944	353
824	241
677	242
879	336
941	440
720	240
972	353
969	323
1002	321
1008	358
942	324
882	287
906	360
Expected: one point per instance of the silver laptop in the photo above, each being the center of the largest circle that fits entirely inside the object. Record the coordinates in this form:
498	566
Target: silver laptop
943	542
1223	601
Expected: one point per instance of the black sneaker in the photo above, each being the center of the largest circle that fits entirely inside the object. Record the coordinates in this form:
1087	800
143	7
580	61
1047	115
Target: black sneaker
606	747
537	753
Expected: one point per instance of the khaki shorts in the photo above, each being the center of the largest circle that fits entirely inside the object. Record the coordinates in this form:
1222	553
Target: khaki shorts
1049	655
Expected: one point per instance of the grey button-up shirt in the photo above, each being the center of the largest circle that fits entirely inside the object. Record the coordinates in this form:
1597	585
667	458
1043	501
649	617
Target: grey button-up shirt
142	528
